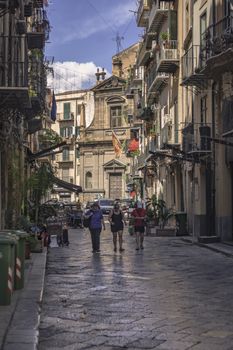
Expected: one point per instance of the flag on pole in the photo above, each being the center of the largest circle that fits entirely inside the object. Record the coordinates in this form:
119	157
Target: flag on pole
116	145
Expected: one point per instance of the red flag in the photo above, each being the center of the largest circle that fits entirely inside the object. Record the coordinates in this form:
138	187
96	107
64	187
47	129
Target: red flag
116	145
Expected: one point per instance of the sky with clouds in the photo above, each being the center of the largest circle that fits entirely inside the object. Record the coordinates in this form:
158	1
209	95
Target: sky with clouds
83	37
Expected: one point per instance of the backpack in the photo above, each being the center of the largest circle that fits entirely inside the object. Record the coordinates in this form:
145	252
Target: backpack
87	222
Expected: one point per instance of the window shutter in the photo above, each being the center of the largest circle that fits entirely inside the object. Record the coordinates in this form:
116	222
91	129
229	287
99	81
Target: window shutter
172	20
66	110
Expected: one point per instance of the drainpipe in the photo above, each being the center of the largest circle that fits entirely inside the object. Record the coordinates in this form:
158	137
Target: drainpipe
213	165
214	15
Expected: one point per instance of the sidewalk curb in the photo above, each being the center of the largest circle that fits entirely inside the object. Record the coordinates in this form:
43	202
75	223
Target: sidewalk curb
22	332
210	246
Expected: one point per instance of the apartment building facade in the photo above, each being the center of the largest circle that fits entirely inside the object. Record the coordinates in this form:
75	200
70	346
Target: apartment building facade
71	107
24	29
185	108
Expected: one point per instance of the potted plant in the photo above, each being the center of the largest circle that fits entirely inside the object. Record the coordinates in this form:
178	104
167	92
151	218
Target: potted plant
152	209
164	215
164	37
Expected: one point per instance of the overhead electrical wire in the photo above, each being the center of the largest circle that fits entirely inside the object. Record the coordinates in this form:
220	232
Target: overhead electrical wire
112	27
71	70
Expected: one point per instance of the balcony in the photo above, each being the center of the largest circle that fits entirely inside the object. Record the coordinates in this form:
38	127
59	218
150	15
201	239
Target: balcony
69	118
37	85
188	138
143	55
65	160
158	14
143	13
166	136
145	113
38	30
193	63
218	47
13	71
168	57
38	3
157	81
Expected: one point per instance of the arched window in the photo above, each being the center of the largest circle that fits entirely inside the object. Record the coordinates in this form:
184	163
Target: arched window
88	180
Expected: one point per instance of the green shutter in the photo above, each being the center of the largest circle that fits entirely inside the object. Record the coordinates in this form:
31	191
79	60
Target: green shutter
172	20
66	107
62	132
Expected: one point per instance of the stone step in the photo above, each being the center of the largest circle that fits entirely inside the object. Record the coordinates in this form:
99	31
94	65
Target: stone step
208	239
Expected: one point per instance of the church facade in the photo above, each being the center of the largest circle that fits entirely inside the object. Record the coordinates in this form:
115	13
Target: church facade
101	173
104	170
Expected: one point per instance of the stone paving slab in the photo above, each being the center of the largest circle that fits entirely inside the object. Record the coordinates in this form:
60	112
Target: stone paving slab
173	295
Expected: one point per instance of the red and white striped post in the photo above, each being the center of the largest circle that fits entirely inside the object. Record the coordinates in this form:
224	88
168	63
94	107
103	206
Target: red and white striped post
10	280
18	269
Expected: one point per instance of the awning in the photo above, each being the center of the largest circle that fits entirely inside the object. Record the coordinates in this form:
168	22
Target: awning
67	185
33	156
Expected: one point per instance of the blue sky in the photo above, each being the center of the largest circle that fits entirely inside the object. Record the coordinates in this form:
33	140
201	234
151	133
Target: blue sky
82	37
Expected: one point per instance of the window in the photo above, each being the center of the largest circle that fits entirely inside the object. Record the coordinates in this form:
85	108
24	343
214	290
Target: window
88	180
203	29
65	175
116	116
79	109
65	154
203	109
66	110
66	131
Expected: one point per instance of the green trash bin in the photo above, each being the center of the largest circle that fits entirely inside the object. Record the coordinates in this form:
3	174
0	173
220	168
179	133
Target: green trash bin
9	234
19	257
7	253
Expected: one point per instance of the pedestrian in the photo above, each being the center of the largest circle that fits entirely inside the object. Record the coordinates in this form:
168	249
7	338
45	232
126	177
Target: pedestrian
65	235
139	216
96	222
117	221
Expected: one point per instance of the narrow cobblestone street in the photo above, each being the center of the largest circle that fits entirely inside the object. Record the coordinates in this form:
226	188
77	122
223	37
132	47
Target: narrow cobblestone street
171	296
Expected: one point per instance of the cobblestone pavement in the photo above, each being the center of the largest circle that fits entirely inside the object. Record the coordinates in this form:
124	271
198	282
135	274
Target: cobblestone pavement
171	296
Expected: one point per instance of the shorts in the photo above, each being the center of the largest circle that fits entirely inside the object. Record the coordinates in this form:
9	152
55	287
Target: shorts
140	229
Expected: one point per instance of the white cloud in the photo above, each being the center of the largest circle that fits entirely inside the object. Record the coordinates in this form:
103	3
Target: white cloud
69	76
111	20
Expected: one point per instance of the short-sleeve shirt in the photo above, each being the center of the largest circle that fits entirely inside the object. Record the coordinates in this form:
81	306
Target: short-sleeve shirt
139	212
96	219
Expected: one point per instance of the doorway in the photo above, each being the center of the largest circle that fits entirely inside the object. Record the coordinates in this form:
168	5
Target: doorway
115	185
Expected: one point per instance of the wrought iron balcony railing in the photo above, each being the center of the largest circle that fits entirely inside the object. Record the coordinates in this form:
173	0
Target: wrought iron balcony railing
143	13
13	62
156	80
218	37
158	13
193	62
144	54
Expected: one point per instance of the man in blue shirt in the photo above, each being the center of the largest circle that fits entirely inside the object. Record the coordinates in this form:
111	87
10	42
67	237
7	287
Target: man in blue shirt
95	226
